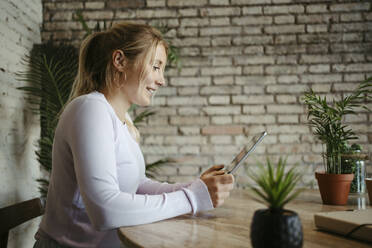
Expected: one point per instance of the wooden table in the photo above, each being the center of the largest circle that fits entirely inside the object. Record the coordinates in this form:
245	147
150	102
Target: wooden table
229	225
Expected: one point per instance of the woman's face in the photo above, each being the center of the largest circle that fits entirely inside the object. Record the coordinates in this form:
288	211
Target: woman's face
140	93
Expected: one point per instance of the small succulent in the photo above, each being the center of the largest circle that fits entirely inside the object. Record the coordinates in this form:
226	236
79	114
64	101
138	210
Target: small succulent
275	187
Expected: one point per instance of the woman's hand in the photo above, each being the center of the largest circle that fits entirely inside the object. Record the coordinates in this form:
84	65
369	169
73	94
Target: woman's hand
219	184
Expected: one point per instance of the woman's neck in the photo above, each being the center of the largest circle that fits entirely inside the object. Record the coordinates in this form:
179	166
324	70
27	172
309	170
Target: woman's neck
118	102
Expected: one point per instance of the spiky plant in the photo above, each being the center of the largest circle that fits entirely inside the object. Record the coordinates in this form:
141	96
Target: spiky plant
327	119
275	187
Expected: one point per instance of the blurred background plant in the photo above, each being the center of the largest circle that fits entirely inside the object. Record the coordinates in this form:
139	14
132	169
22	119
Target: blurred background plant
51	72
328	121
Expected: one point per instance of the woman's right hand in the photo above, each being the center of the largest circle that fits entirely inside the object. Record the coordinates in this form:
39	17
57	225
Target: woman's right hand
219	184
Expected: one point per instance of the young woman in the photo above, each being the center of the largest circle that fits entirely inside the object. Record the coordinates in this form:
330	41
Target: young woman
98	180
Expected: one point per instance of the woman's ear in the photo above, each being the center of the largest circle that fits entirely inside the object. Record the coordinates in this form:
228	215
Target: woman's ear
119	60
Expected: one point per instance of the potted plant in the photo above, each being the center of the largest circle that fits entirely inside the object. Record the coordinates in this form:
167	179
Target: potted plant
327	119
275	226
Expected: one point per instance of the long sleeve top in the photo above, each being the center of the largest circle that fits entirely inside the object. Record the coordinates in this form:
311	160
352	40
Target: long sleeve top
98	180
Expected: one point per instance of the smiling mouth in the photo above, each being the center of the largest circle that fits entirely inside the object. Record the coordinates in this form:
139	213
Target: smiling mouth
151	90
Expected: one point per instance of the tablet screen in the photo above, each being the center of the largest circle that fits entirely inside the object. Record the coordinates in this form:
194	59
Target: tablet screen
243	154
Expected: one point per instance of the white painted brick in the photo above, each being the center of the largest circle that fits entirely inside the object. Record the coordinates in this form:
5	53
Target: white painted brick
285	29
286	49
190	81
153	140
221	139
187	31
253	109
182	140
284	9
283	39
189	130
220	31
194	22
253	40
249	30
351	17
177	3
355	77
221	41
254	119
220	11
253	90
284	69
347	7
316	8
188	91
286	99
157	149
221	120
220	21
188	111
317	28
286	89
222	51
249	2
287	129
221	61
188	12
191	42
189	150
253	50
321	88
252	99
221	90
288	119
252	10
306	78
253	70
189	71
155	3
226	70
214	110
288	79
189	120
257	80
253	60
334	58
180	100
284	108
158	130
252	20
319	68
284	19
228	80
219	100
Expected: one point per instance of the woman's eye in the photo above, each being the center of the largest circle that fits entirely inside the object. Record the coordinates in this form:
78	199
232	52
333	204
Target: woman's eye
156	68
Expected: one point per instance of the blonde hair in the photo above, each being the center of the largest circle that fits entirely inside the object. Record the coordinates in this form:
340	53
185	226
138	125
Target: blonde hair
96	70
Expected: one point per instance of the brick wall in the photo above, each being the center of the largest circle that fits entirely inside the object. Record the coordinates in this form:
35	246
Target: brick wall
19	129
245	67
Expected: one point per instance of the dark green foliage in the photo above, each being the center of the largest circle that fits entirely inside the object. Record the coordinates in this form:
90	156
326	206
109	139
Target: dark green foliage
275	186
50	75
327	120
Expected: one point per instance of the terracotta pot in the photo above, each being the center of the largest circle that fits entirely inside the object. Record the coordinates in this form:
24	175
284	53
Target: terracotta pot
334	188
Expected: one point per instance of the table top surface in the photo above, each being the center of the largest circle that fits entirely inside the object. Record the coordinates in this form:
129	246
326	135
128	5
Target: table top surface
229	225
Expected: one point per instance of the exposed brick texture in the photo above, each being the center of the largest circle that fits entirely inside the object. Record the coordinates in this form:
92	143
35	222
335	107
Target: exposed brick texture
19	128
245	67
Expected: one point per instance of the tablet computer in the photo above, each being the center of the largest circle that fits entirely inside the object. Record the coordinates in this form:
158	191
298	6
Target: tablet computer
244	153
